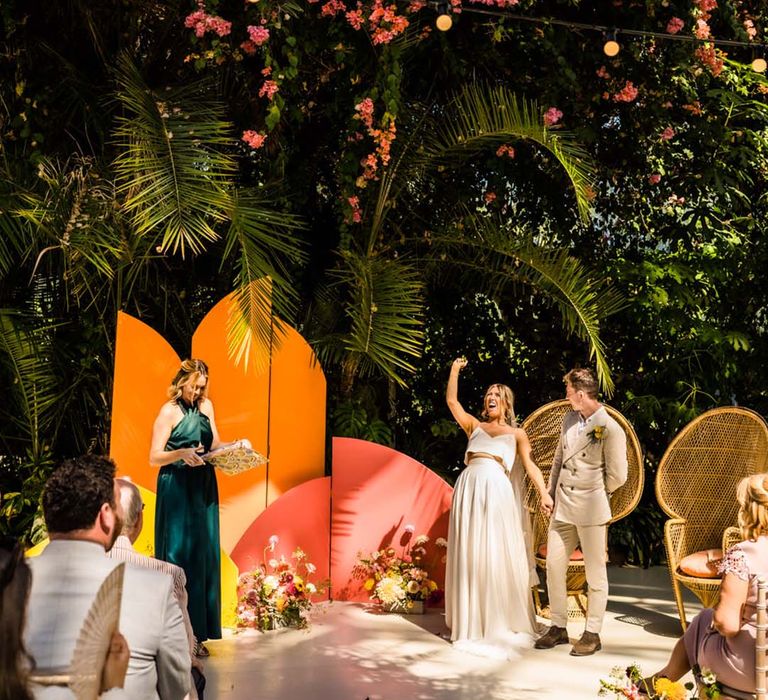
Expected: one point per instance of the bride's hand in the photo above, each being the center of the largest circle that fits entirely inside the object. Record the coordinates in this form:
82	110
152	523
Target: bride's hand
547	504
459	363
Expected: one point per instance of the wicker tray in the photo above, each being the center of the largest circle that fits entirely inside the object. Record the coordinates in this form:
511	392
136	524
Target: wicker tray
235	459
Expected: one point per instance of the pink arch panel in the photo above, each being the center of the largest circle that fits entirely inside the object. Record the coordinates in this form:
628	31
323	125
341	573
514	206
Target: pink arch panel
300	518
377	491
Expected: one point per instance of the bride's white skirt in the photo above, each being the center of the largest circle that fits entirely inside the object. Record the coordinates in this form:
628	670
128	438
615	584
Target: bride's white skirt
489	567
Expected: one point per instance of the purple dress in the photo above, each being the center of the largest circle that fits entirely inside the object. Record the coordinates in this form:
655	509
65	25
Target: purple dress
732	659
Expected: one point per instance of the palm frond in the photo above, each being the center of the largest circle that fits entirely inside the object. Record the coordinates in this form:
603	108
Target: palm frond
482	115
385	314
265	244
171	171
503	257
32	394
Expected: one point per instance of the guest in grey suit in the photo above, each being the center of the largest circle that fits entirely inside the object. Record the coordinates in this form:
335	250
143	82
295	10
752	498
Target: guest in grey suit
82	512
590	463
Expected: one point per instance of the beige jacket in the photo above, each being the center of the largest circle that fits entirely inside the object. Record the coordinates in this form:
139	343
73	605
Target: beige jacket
586	470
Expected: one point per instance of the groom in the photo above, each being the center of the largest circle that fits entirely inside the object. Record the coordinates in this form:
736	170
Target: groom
590	463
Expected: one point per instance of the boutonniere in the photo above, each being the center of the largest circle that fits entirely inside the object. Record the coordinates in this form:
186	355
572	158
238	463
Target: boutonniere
597	433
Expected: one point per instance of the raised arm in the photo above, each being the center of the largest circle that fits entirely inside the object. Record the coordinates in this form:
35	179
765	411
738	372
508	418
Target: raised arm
467	422
533	471
161	431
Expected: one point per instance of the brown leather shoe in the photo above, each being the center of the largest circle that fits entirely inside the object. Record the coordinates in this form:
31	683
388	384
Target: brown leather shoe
587	645
554	635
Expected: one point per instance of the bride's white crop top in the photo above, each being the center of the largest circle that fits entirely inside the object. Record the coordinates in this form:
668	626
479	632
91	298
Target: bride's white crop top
503	446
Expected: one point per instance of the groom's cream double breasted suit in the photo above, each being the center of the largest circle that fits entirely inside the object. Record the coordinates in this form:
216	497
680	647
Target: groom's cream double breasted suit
590	463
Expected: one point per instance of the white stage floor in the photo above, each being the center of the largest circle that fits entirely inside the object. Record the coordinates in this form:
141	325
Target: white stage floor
353	652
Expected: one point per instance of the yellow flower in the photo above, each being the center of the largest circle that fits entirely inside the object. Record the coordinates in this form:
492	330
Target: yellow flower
413	587
280	604
369	584
432	585
669	690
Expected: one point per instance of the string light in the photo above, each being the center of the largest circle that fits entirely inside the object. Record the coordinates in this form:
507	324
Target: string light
757	64
611	47
444	20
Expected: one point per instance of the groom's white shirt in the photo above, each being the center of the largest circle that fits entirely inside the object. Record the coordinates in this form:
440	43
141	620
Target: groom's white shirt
65	579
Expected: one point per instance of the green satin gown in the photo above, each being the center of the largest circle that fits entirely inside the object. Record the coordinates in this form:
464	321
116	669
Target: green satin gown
187	523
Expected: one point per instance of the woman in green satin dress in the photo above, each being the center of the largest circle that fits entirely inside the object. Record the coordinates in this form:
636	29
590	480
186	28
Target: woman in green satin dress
187	511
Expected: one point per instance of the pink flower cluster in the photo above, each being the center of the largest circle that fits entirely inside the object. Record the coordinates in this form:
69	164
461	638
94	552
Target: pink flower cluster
702	29
254	139
202	23
489	197
382	137
675	25
654	179
627	94
749	28
505	150
386	24
602	73
354	203
667	134
258	35
332	8
552	116
268	89
710	57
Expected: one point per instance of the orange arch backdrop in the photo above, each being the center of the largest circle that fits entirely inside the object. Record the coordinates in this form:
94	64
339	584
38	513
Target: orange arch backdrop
280	406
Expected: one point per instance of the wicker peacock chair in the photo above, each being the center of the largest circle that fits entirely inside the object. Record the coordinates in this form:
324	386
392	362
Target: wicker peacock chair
696	486
543	429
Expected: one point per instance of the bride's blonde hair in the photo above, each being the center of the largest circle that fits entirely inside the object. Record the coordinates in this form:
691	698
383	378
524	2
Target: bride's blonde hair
508	401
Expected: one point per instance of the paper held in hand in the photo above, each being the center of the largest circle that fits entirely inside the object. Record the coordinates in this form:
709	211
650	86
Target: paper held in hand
235	458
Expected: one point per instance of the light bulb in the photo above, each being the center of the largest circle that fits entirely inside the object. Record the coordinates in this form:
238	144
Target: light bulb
759	65
611	48
444	22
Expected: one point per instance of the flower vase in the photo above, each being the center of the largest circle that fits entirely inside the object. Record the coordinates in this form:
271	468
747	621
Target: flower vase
416	607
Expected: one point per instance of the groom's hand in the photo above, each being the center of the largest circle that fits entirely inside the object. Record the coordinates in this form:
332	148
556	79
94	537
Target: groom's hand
547	504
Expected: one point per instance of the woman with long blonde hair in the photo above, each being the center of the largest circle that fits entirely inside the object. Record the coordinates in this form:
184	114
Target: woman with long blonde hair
722	639
489	566
187	511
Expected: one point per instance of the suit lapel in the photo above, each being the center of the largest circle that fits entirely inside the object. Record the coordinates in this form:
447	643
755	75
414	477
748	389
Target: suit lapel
578	442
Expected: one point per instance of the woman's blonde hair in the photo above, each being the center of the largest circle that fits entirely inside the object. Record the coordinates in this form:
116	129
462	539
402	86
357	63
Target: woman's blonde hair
507	398
189	372
752	494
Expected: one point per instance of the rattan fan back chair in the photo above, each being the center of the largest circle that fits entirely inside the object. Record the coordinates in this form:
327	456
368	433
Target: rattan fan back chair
543	427
696	487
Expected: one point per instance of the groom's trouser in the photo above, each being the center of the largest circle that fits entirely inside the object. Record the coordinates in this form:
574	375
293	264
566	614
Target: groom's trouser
562	540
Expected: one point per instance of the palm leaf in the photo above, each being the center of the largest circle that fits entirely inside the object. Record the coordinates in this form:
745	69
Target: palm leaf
172	169
385	315
501	257
32	396
481	116
265	246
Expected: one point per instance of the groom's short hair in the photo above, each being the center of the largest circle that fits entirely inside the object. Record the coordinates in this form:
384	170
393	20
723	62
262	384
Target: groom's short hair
582	379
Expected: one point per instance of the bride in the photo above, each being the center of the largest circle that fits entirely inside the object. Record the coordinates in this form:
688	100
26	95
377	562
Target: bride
489	568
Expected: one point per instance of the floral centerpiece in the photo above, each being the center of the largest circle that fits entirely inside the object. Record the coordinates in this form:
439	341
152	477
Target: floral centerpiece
401	581
628	682
278	593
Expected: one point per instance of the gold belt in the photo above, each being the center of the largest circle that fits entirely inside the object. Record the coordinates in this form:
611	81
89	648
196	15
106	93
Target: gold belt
486	455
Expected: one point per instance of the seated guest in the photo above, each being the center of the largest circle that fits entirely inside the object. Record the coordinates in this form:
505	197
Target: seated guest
723	639
82	513
15	662
133	522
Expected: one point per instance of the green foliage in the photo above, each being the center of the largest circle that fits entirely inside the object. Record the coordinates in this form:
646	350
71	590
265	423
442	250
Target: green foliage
351	419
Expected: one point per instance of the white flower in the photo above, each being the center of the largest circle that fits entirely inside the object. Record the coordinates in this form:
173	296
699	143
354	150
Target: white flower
311	588
441	542
273	542
708	677
410	528
421	539
273	563
311	568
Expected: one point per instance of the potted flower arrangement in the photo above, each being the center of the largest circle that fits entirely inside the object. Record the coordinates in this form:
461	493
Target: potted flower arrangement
278	593
628	683
400	582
